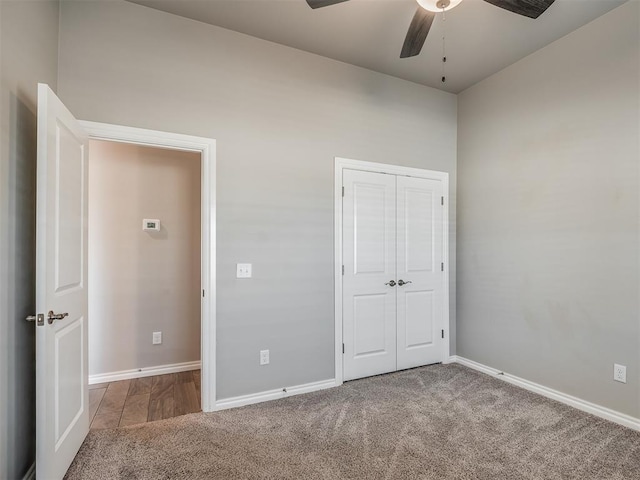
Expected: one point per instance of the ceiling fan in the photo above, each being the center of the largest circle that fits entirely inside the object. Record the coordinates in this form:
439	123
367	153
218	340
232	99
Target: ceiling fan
427	9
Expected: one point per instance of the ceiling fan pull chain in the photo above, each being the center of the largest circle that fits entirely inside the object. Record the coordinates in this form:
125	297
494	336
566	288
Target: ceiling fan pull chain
444	53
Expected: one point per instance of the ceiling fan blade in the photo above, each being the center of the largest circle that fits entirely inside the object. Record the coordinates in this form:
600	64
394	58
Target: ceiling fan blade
417	33
323	3
528	8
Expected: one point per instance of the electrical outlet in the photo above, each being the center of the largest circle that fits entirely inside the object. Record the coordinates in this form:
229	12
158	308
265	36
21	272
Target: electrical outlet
620	373
243	270
264	357
157	338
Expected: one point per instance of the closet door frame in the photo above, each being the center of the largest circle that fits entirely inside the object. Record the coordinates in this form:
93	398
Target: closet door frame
344	163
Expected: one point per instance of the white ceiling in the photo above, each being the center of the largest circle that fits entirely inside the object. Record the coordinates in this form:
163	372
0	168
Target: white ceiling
481	39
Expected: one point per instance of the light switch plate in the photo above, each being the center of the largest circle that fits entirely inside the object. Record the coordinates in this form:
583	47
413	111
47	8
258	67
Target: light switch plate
243	270
157	338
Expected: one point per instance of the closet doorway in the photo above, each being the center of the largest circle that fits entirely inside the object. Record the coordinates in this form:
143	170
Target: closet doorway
391	244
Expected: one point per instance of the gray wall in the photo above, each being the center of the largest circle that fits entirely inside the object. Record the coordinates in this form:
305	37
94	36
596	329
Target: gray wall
548	156
280	116
29	47
143	282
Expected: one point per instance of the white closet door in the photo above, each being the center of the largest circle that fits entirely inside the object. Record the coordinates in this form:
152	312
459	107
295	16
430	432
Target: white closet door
369	255
419	257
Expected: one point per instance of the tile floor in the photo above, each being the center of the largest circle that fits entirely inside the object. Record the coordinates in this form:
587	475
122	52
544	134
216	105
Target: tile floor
141	400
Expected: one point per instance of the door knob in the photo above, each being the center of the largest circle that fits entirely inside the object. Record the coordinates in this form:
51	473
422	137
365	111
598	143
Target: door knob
392	283
51	317
402	282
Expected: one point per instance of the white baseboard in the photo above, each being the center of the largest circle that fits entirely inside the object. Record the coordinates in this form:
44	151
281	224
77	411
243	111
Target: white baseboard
31	473
592	408
451	359
143	372
252	398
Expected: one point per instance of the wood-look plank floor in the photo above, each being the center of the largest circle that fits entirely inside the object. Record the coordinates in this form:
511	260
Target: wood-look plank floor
129	402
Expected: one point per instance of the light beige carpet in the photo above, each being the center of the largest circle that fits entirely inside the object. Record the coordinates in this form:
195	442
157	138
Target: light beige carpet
437	422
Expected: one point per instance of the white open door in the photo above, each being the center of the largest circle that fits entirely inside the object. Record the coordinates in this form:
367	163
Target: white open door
62	395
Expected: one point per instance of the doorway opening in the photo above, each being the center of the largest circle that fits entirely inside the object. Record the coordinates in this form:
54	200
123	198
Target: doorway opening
62	359
169	174
144	283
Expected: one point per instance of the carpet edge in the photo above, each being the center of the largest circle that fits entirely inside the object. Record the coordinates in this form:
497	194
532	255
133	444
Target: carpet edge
575	402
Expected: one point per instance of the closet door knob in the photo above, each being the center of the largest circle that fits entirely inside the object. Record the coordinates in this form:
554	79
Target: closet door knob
402	282
392	283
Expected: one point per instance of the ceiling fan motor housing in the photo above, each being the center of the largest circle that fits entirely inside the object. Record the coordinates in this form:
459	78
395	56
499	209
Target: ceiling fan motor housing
438	5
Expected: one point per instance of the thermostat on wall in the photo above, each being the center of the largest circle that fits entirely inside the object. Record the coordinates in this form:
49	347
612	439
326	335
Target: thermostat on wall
151	225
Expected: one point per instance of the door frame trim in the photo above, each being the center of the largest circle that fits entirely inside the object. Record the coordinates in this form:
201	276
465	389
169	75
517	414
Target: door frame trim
346	163
207	149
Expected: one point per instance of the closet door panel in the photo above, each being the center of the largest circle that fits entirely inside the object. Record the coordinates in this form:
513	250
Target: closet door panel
369	255
418	263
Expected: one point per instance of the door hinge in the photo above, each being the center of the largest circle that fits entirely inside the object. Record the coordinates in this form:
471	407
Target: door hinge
343	269
442	333
343	191
343	348
442	267
442	201
202	293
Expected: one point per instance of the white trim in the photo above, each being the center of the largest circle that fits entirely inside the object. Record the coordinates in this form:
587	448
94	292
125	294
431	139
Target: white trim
207	149
31	473
340	165
575	402
143	372
451	359
252	398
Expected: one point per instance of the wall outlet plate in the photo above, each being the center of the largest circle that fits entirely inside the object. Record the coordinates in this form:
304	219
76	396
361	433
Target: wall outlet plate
264	357
157	338
243	270
620	373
